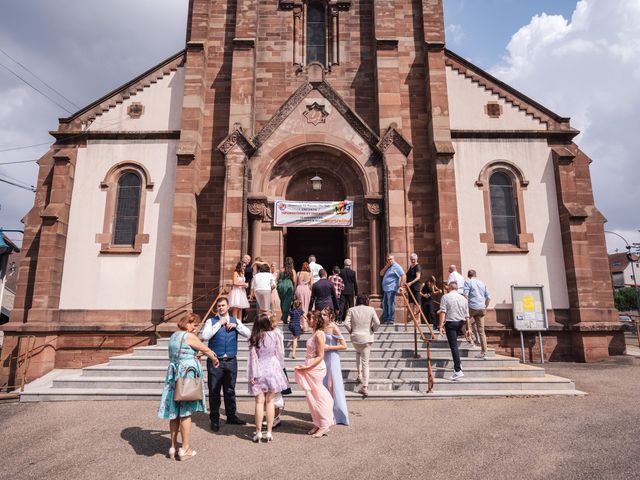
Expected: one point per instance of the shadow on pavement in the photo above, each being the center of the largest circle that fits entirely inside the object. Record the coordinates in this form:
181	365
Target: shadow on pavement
147	442
299	426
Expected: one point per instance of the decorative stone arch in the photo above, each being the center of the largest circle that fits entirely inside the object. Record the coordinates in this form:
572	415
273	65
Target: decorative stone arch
110	185
520	184
369	174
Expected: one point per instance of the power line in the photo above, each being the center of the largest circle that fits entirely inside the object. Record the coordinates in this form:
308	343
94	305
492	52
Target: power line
31	189
43	82
25	147
16	180
19	161
36	89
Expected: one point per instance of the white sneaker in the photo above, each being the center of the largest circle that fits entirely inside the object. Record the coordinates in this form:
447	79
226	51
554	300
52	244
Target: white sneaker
457	375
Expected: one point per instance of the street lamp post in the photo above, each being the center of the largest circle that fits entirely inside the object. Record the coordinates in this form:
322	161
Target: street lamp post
635	280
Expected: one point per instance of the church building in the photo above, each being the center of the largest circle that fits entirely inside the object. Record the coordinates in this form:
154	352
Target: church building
149	196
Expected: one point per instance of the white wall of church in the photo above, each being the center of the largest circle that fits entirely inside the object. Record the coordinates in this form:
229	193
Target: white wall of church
467	101
92	280
544	263
162	103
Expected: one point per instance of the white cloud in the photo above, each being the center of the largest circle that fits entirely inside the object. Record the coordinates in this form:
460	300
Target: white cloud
588	68
455	33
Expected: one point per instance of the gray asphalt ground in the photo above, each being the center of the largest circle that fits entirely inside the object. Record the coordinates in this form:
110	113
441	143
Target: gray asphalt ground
591	437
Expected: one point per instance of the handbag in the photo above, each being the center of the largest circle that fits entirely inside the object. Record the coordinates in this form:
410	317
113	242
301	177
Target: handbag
187	389
286	391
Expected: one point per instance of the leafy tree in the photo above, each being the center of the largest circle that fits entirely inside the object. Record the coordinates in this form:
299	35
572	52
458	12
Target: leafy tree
625	299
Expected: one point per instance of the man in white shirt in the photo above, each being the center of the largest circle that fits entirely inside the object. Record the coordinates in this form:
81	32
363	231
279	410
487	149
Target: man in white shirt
454	314
221	332
455	276
315	268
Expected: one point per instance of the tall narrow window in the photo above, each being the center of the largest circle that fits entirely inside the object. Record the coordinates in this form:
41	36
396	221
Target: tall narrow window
127	209
504	218
317	32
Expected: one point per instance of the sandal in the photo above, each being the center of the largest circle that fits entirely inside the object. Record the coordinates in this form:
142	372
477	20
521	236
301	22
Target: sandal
184	455
322	432
313	431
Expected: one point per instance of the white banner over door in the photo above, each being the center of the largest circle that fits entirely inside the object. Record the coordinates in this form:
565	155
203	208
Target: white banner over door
313	214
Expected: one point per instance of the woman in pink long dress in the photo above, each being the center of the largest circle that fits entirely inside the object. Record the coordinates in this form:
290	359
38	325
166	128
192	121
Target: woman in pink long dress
303	292
310	377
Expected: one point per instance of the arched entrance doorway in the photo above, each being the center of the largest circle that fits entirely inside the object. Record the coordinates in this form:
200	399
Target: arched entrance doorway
288	177
329	245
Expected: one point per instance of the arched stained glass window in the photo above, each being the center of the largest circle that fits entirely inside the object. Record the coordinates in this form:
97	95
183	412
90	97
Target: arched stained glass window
504	218
127	209
317	32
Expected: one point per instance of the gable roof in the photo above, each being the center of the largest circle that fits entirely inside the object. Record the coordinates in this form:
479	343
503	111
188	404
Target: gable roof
507	93
129	89
618	262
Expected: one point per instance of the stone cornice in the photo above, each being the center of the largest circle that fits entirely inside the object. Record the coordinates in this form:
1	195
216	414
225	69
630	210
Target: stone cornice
545	134
63	137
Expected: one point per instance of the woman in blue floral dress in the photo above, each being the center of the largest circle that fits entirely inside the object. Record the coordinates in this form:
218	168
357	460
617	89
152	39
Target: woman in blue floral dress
183	346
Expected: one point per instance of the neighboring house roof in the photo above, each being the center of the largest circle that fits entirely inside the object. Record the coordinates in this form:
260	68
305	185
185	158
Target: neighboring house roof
618	262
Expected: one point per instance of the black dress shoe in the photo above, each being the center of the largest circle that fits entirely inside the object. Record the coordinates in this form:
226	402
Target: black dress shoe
235	421
215	426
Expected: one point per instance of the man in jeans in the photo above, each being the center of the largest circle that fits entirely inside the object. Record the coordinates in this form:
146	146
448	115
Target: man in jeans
392	276
454	314
476	292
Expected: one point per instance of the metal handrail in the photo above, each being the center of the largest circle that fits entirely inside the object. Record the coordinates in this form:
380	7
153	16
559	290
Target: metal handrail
31	350
417	329
25	362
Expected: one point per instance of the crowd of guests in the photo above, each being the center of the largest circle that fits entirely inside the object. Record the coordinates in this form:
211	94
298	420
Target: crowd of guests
306	301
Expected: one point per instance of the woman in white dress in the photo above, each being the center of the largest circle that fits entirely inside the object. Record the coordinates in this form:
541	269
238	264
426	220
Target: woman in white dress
238	296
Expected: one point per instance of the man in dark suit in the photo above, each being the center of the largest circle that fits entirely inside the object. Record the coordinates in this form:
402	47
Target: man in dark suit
323	294
350	288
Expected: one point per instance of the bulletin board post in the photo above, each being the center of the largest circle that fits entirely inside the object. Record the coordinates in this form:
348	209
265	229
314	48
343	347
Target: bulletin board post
529	313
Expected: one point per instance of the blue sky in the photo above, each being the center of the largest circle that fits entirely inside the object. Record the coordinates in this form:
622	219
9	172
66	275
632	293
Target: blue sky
487	25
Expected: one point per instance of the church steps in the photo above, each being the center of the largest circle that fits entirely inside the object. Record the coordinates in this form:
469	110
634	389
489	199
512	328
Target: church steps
546	382
394	374
70	394
349	372
346	361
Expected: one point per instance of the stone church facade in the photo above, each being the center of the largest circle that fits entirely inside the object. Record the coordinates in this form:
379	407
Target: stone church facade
150	195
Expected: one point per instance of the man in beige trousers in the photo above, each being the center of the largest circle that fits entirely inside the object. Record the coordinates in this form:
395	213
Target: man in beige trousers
361	322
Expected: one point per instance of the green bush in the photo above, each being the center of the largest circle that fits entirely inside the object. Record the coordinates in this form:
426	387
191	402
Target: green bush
625	299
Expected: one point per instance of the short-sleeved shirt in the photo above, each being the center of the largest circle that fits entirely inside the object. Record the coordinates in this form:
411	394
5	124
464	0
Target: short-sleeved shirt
458	278
412	273
315	270
391	278
454	306
476	291
338	284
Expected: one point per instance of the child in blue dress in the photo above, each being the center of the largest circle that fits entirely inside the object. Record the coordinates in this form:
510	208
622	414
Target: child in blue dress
295	325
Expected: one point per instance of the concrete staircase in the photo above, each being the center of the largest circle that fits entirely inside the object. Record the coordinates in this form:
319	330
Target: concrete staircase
394	373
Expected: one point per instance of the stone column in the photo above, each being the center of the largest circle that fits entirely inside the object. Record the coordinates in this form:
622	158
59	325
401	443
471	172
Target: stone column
259	212
373	214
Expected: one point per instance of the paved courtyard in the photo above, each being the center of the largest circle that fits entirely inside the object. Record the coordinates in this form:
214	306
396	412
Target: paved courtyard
594	436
